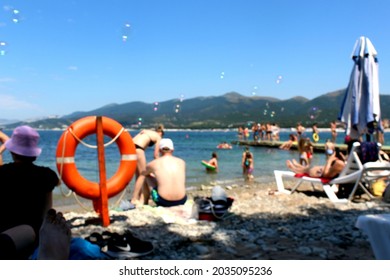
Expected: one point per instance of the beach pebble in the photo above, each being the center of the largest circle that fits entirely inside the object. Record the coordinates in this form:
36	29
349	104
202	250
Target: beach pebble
260	226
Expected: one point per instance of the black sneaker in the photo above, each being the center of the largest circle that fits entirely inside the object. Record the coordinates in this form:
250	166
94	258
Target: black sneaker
126	246
97	239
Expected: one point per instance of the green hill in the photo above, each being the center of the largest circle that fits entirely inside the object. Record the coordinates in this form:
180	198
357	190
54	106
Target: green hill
228	110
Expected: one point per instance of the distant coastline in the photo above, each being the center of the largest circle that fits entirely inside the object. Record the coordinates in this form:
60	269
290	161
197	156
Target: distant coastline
283	129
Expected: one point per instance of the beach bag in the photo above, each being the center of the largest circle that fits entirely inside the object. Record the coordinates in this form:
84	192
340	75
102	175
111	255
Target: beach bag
210	210
378	187
213	208
368	152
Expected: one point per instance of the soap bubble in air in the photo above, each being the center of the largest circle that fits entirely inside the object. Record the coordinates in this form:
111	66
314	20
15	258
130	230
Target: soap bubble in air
15	16
3	46
279	79
155	106
126	32
177	108
254	91
314	113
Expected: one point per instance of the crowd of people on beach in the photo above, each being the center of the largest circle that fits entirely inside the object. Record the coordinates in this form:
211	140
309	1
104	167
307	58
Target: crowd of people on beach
37	231
260	132
270	132
300	133
29	232
335	160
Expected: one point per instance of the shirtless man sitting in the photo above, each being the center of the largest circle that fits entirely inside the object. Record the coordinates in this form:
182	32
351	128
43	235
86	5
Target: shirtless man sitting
165	178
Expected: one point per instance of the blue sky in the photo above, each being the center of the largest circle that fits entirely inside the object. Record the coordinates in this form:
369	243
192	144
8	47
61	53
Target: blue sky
61	56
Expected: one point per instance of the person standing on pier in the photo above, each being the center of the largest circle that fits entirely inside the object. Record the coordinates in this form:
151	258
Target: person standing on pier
315	133
333	131
300	130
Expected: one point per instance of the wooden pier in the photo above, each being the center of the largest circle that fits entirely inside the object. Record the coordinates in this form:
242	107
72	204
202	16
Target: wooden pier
317	147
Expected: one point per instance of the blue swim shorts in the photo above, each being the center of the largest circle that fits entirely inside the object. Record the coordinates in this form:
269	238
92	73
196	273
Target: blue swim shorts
166	203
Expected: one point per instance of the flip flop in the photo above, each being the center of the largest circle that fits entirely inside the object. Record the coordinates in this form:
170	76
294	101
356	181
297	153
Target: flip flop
127	205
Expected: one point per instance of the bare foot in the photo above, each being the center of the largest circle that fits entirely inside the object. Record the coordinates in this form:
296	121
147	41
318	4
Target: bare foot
290	165
293	167
137	203
54	237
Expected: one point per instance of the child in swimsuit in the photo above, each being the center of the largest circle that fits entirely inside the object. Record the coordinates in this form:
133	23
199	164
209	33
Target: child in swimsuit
248	166
213	161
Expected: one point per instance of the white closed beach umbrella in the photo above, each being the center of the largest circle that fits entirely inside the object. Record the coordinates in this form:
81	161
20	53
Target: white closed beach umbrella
360	109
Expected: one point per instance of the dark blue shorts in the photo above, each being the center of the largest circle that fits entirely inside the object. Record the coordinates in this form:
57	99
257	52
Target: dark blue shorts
166	203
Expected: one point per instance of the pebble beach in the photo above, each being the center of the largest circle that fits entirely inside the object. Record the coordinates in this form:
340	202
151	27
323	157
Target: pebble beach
262	224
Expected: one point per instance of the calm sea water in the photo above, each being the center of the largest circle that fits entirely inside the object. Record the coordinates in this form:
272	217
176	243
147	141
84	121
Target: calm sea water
192	146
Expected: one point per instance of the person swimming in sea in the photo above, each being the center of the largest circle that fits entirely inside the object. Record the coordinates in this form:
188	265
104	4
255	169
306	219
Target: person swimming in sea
214	162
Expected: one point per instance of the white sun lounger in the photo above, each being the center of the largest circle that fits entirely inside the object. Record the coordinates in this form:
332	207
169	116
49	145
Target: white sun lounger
352	173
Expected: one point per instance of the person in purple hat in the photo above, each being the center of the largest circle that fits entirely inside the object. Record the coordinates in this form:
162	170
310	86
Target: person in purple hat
25	194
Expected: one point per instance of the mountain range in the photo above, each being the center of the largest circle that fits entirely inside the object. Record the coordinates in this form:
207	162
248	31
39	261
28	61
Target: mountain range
226	111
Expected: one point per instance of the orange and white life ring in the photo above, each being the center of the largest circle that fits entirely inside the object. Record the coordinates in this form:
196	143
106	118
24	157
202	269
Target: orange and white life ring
66	150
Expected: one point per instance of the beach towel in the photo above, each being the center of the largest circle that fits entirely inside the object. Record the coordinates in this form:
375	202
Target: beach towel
179	214
81	249
323	180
